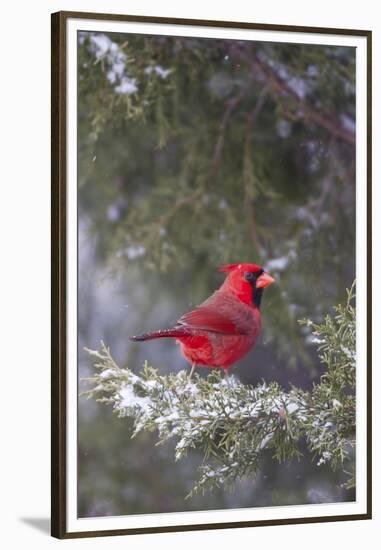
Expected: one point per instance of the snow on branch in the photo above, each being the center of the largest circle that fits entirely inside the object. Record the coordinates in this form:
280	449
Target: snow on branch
233	424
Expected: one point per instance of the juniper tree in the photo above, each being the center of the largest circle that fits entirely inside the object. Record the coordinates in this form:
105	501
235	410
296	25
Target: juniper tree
193	153
201	152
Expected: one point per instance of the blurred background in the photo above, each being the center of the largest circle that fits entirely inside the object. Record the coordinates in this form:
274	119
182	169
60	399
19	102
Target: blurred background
194	153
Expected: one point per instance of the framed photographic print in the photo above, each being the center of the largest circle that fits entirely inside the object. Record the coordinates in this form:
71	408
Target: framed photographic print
211	274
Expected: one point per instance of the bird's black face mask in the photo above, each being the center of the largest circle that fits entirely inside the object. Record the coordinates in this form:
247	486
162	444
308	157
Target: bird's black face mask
251	277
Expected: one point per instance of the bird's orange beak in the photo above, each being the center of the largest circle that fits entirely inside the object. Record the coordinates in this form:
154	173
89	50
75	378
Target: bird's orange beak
264	280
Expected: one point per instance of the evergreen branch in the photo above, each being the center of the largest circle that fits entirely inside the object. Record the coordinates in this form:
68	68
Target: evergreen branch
250	183
281	88
232	424
230	105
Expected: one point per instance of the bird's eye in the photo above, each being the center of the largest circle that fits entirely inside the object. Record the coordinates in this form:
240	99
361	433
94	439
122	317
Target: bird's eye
250	276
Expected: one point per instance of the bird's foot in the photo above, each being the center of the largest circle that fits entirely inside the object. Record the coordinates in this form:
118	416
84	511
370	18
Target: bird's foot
229	380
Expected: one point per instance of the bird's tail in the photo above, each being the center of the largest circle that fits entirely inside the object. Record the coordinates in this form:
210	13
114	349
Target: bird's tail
167	333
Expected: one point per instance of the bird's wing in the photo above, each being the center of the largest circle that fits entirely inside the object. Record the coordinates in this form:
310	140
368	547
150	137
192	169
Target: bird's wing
222	313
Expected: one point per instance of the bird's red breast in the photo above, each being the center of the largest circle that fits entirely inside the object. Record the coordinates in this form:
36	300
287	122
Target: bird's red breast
221	330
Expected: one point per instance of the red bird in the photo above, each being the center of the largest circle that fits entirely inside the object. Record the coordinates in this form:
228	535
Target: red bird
226	326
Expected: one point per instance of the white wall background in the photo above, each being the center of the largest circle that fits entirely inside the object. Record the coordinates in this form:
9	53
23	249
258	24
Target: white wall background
25	270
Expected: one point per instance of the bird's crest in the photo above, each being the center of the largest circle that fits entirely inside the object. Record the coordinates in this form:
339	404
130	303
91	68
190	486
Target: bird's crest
227	268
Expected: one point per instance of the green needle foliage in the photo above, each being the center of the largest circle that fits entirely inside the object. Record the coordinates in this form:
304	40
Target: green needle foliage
196	152
235	424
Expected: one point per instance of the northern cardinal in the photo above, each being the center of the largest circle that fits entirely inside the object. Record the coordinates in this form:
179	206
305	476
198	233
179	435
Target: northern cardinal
226	326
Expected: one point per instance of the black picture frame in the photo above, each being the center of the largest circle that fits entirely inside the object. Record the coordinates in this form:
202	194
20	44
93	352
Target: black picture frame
59	272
